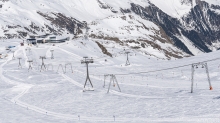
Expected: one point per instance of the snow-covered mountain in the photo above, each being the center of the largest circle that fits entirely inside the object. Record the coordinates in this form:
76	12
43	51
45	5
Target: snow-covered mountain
164	29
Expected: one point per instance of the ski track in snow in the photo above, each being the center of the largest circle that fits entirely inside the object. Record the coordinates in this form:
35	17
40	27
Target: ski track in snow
24	88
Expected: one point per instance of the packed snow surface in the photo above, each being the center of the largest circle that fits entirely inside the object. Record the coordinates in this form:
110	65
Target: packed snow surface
56	96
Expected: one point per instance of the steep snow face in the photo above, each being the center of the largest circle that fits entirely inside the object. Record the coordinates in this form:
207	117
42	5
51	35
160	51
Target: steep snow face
76	8
87	10
125	4
23	13
214	2
174	8
134	32
179	8
124	27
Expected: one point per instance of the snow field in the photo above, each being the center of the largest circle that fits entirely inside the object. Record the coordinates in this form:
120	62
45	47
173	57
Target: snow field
49	96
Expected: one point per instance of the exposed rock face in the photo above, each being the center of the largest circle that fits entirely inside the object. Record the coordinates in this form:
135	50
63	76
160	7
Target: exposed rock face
204	24
135	25
170	25
188	2
201	25
62	22
104	50
105	6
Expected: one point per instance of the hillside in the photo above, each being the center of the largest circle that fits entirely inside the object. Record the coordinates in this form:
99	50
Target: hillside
169	29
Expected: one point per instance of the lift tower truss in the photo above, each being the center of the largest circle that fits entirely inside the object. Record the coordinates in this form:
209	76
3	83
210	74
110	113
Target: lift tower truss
204	65
43	66
52	57
30	64
127	61
113	81
13	57
87	62
19	63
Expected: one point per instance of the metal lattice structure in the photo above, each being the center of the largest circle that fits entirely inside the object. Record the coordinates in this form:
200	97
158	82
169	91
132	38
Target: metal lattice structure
30	64
60	66
127	61
52	57
19	63
43	66
87	62
13	57
113	81
196	65
68	64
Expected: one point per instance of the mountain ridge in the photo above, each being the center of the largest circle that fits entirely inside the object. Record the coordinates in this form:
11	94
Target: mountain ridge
181	28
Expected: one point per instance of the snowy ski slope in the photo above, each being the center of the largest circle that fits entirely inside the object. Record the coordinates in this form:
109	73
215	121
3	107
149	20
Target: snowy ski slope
56	97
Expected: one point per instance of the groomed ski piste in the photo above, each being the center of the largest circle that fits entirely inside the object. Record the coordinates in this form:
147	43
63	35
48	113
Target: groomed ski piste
152	89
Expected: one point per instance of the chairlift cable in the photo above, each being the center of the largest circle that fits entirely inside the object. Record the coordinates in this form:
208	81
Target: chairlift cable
163	69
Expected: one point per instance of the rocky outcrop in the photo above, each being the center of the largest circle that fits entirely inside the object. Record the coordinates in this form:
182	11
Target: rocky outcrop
205	25
201	26
106	6
60	21
104	50
168	24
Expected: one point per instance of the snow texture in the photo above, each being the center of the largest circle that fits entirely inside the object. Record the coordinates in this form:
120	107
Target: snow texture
56	96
